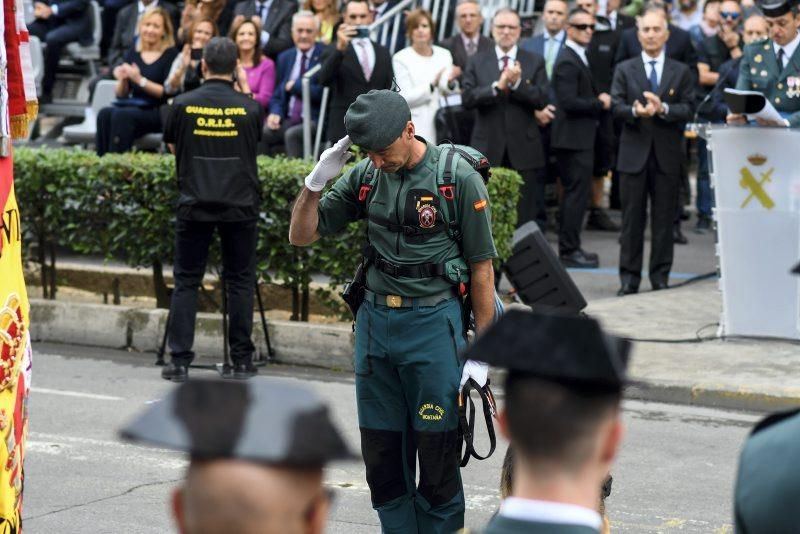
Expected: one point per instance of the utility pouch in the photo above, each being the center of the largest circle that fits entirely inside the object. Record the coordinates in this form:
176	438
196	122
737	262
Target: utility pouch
354	290
456	271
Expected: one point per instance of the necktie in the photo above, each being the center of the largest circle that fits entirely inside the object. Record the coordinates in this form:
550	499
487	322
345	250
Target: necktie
550	56
653	76
262	12
781	58
363	58
504	59
471	48
296	113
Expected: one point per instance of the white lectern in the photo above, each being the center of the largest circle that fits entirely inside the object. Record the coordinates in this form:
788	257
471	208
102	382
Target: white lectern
756	179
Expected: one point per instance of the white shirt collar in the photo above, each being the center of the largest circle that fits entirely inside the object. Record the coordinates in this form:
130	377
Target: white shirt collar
659	59
789	48
612	18
512	54
581	51
549	512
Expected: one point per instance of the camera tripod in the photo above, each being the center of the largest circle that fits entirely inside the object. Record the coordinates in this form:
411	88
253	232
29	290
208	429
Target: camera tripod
261	359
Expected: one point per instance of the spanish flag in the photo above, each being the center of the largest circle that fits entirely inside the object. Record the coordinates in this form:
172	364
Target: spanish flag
15	349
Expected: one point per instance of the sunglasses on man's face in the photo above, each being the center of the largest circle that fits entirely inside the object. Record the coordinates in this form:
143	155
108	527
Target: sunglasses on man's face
729	15
583	27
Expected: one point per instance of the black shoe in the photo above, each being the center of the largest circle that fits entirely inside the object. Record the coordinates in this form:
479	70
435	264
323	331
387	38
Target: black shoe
677	236
599	220
627	289
578	259
703	223
658	286
590	255
175	372
244	370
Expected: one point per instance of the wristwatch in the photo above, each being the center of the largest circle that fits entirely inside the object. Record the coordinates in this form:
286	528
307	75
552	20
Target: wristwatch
142	82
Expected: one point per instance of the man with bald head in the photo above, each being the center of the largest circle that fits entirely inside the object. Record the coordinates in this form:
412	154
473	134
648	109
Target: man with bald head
253	468
236	496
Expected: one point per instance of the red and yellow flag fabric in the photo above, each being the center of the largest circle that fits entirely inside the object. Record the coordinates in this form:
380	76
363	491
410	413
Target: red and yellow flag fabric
17	108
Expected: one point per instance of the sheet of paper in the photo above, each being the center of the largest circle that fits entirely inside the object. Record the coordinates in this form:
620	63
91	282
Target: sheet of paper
768	112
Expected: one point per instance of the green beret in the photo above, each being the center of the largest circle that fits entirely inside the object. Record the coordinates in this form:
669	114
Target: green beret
376	119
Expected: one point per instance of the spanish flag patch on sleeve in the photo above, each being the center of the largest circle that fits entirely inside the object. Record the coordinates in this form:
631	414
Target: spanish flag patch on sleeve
480	205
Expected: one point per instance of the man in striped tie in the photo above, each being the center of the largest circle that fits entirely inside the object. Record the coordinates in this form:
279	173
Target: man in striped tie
284	127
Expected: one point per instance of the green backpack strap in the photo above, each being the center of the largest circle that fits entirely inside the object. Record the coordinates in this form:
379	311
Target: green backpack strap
445	181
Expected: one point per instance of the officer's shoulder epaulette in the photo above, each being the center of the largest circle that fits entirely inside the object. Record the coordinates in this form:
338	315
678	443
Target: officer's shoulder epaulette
773	419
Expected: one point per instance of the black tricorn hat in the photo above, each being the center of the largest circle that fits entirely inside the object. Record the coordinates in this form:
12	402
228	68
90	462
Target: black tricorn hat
267	421
570	350
775	8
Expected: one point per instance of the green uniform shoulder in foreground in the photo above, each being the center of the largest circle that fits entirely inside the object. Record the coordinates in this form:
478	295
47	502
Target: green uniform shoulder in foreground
767	491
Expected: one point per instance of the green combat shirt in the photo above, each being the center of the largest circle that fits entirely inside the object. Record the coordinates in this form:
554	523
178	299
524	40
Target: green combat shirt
393	197
759	71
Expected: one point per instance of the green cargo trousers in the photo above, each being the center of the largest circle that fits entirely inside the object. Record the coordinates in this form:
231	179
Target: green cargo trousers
407	375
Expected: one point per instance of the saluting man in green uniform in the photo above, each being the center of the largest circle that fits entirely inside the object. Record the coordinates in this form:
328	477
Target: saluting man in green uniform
428	226
772	66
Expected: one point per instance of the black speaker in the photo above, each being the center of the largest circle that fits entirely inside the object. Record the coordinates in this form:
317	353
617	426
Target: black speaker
538	277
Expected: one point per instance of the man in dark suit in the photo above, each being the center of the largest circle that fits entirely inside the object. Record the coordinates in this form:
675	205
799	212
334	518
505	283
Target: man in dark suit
679	47
469	40
550	42
463	46
506	85
125	28
601	54
352	66
578	107
275	17
654	96
58	23
285	120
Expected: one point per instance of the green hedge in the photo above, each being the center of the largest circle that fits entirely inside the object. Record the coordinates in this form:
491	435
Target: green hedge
122	207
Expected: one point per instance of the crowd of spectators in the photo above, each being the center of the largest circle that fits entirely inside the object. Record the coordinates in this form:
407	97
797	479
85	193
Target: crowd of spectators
501	94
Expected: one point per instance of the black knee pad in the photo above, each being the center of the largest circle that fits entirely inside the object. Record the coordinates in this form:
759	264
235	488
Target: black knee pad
438	466
383	457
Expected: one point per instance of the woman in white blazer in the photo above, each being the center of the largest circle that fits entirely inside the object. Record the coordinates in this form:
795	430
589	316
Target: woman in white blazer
423	72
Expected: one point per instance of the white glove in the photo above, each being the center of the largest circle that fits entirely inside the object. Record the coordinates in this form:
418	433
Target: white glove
478	371
330	164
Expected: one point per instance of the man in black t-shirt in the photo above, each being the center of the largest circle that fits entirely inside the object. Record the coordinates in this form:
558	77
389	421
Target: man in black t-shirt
214	133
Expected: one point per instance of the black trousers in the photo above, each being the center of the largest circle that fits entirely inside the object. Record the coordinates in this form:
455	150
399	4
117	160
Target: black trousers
56	36
119	127
575	168
192	239
663	190
531	205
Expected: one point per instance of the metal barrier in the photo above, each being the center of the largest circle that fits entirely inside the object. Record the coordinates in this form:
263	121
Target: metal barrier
390	21
308	150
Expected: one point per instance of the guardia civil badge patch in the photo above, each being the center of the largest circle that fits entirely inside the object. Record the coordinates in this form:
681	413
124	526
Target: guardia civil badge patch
427	216
480	205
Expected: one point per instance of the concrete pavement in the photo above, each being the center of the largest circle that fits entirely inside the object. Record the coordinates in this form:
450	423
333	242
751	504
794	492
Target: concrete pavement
670	362
675	471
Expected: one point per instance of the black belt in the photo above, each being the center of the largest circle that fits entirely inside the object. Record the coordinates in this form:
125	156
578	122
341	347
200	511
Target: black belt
420	270
466	419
